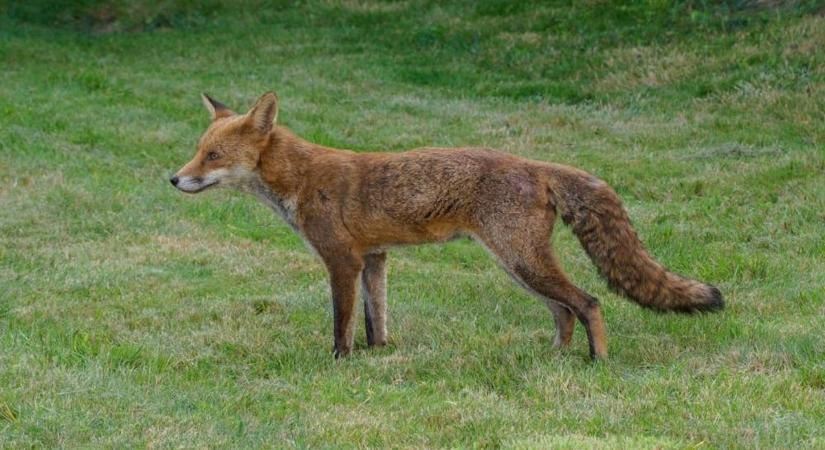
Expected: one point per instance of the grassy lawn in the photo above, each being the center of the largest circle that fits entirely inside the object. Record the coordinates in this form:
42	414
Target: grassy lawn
134	316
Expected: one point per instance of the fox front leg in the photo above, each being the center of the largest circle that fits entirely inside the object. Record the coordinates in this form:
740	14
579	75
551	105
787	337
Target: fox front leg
344	272
374	291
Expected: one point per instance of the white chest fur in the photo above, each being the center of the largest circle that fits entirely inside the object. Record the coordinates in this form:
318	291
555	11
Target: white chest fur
286	207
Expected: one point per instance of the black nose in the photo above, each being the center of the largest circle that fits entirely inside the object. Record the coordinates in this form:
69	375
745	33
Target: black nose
174	180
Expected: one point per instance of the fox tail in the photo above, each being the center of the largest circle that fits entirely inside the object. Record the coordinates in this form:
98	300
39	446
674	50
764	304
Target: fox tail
596	216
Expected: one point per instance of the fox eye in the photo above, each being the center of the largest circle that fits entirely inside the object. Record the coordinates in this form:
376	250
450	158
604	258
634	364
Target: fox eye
211	156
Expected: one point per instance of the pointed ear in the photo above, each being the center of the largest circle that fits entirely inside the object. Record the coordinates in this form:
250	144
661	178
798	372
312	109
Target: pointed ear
217	110
264	113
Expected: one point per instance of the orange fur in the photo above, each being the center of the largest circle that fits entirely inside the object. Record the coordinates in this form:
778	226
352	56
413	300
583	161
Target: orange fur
351	207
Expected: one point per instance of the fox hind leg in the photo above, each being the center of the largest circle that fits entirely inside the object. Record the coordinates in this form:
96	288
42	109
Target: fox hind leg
563	317
565	323
530	261
546	278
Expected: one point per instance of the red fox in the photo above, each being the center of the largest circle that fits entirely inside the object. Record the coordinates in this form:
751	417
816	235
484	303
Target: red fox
350	208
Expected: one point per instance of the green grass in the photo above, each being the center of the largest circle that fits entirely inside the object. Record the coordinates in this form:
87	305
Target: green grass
134	316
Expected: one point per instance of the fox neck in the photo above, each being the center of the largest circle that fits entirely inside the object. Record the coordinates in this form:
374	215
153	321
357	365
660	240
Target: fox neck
284	161
276	179
282	171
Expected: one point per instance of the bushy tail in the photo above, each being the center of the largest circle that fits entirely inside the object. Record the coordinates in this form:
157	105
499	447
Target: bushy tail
594	212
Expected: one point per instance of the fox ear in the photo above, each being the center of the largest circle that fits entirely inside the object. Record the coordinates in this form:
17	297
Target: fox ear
217	110
264	113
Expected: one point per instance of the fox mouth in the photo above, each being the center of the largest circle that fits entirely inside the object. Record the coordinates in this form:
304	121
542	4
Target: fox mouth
199	188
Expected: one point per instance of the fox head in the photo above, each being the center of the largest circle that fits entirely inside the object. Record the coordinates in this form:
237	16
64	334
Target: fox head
229	151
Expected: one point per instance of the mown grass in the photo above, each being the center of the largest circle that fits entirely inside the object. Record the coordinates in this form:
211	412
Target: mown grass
131	315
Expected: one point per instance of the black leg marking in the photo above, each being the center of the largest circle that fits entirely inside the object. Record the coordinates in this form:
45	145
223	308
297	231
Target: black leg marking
368	324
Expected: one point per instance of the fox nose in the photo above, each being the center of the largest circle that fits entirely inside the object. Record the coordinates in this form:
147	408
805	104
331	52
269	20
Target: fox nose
174	180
